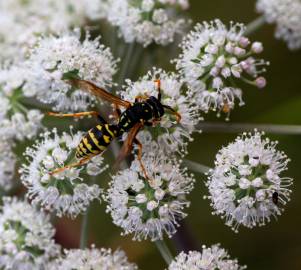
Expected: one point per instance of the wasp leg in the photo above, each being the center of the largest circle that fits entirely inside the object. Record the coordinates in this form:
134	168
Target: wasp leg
77	164
80	114
140	147
172	111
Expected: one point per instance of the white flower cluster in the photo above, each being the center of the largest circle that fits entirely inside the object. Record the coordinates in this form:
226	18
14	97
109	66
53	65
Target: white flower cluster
171	136
150	208
147	21
63	192
23	21
26	237
56	59
214	57
286	15
213	258
17	121
93	259
7	165
246	186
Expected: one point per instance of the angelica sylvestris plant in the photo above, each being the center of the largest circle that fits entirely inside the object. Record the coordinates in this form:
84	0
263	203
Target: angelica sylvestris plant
150	208
212	258
147	21
18	120
55	59
26	236
247	186
148	75
93	259
65	193
215	56
286	15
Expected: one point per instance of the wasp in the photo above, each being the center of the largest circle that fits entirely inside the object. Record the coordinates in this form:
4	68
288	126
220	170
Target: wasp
145	111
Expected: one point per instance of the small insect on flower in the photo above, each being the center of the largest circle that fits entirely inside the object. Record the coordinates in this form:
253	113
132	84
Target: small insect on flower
214	59
213	258
144	111
246	186
92	259
172	137
150	209
64	193
26	236
286	15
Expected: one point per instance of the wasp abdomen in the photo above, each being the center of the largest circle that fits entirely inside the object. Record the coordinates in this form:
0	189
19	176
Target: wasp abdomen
97	140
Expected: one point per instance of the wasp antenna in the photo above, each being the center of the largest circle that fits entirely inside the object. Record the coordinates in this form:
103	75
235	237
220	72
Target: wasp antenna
158	86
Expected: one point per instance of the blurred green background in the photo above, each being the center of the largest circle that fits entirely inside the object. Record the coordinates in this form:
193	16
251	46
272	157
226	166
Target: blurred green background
275	246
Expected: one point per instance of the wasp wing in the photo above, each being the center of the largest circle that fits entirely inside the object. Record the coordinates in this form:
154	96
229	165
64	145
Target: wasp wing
128	143
99	92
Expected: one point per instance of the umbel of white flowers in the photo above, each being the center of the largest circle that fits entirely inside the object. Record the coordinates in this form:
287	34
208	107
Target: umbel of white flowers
246	186
150	208
211	258
23	22
26	237
57	58
65	193
214	57
17	120
286	15
147	21
92	259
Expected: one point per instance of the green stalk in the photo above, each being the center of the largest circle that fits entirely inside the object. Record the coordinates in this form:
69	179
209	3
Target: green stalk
196	167
84	231
255	25
242	127
164	251
126	62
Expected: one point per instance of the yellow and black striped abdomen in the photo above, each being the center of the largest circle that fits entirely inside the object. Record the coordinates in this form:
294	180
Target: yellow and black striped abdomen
97	140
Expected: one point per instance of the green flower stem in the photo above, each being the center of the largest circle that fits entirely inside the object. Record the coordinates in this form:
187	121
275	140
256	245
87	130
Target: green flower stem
242	127
126	63
255	25
196	167
164	251
84	230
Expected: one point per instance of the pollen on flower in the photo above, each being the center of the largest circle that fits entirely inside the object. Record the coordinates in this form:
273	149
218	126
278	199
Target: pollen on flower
150	208
286	15
246	186
172	136
93	259
213	59
57	59
64	193
148	21
211	258
26	238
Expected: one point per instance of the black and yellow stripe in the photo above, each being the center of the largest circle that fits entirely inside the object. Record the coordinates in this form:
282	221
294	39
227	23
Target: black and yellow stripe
97	140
